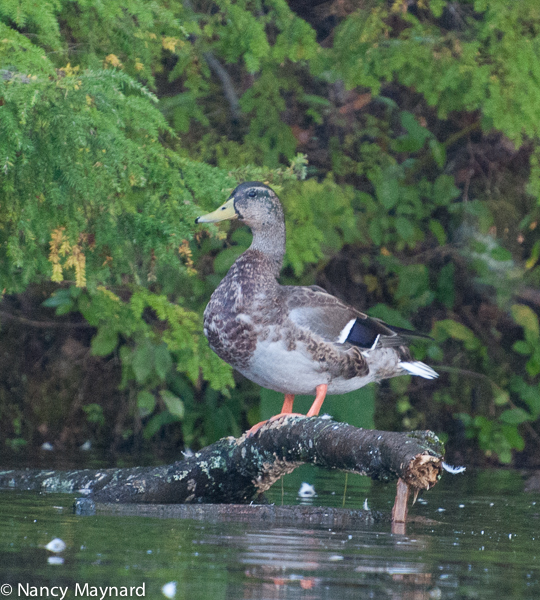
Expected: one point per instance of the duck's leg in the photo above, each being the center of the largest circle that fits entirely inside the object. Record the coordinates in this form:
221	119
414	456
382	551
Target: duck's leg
319	399
285	410
288	404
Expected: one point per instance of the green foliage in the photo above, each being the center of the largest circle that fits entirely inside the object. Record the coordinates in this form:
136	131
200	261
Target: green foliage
530	346
494	436
264	102
479	69
77	187
320	220
119	119
94	414
39	19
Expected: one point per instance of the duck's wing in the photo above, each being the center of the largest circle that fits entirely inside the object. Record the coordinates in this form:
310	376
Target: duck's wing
325	315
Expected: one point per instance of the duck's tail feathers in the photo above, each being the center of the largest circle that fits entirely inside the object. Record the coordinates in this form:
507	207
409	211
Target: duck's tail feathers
419	368
408	333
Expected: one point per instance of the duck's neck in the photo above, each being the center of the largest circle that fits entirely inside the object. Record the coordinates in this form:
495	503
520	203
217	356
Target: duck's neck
269	239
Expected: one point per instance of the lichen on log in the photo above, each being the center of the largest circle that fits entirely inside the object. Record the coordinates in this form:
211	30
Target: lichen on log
235	470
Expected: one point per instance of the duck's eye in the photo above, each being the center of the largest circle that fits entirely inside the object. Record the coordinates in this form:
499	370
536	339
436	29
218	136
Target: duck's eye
252	193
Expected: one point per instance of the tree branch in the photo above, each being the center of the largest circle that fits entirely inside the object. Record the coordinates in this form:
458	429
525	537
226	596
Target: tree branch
45	324
235	470
226	82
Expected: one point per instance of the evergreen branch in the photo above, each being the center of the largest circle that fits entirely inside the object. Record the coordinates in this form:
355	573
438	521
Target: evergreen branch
44	324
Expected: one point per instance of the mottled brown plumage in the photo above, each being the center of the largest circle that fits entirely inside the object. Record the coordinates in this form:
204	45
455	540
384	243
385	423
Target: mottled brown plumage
294	339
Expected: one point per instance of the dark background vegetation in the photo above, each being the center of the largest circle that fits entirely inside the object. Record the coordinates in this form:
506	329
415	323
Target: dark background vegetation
402	137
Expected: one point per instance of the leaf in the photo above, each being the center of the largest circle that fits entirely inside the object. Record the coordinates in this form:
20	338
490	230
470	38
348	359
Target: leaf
505	456
501	397
521	347
143	362
389	315
94	413
438	231
59	298
146	403
535	252
375	232
405	228
388	191
65	309
416	134
162	361
526	317
174	405
104	342
157	422
437	7
513	437
444	190
316	100
438	151
530	394
445	285
501	254
533	364
515	416
413	282
458	331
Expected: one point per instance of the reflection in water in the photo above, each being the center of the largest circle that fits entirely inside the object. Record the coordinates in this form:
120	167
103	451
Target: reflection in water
285	560
478	539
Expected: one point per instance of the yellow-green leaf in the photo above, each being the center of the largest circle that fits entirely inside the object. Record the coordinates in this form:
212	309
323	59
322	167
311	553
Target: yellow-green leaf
174	405
525	316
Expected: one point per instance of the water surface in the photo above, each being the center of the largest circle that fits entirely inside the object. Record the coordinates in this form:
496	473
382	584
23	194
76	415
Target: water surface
477	537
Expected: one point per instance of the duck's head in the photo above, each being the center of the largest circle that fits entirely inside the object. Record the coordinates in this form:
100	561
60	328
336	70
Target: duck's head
252	202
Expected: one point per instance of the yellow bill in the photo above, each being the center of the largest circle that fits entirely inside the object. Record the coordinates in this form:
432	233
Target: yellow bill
223	213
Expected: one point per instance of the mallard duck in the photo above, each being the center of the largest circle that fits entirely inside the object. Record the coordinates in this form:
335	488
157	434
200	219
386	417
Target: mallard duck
294	339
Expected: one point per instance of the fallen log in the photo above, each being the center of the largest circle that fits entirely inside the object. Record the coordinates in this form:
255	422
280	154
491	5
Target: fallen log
236	470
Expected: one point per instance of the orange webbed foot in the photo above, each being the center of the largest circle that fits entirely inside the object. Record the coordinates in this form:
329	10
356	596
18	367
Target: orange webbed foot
286	410
257	426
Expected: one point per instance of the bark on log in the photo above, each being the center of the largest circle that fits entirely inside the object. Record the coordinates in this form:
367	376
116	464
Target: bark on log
236	470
